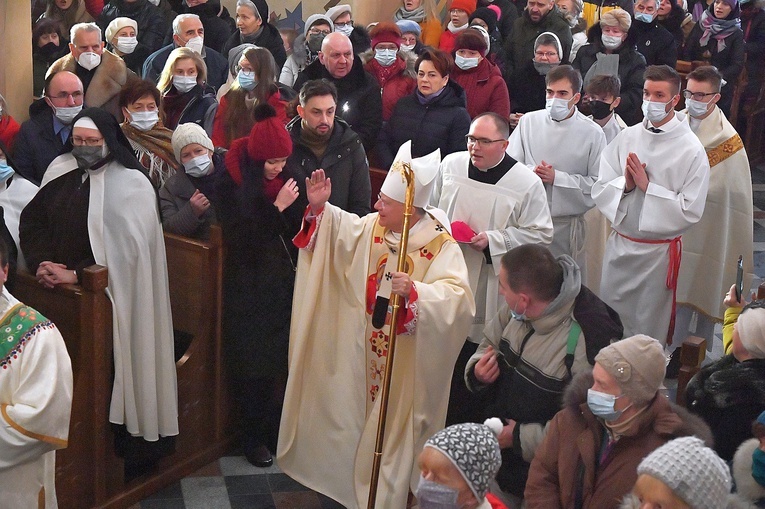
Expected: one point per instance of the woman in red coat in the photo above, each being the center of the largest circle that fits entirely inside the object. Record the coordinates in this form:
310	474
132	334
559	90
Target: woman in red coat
482	80
393	68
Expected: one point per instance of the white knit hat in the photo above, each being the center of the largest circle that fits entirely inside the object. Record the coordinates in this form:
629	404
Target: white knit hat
186	134
694	472
751	331
425	169
118	24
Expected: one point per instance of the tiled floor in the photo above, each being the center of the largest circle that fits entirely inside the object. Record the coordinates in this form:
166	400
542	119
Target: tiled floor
232	483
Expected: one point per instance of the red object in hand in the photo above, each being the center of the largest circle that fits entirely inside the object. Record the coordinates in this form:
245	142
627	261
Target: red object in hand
462	232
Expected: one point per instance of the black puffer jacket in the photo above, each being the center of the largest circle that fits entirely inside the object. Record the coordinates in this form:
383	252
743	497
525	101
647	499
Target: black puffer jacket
152	24
631	69
674	25
216	21
442	123
655	43
269	38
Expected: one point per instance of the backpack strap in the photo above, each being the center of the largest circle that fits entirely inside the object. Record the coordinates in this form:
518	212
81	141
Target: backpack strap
573	339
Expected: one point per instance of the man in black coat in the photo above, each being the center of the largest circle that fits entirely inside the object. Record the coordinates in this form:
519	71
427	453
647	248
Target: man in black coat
320	140
753	26
358	92
653	41
217	22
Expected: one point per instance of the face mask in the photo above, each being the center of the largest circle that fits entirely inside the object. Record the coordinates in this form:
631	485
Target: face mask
144	120
557	108
611	41
184	83
521	317
407	47
346	30
466	63
645	18
89	60
602	405
697	109
600	109
758	466
654	111
5	171
88	156
314	42
198	166
246	80
196	44
432	495
126	44
48	49
67	113
385	57
544	67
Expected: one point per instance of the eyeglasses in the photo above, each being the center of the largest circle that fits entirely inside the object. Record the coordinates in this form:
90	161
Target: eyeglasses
481	142
343	25
696	96
89	142
546	54
316	31
66	95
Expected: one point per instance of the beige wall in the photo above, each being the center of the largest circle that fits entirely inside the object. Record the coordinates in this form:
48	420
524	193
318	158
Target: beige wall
16	57
364	11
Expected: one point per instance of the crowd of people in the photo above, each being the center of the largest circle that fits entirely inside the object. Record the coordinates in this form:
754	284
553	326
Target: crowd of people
574	211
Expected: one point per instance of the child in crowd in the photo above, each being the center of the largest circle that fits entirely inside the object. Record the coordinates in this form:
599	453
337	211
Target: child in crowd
602	98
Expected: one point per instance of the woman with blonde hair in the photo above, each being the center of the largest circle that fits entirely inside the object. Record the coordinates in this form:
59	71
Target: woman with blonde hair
255	84
186	96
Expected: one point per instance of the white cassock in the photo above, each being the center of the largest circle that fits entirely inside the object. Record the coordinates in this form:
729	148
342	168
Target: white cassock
14	196
35	405
572	147
711	247
337	357
646	225
512	212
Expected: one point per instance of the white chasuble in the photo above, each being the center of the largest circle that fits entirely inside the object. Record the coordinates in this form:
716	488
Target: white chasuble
331	408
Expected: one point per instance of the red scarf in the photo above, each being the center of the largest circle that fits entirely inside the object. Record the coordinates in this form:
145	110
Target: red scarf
272	187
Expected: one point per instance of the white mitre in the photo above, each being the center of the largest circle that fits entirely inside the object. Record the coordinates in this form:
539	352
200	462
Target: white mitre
425	170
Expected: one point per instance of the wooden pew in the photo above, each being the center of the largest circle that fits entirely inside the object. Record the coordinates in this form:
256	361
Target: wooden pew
692	353
88	472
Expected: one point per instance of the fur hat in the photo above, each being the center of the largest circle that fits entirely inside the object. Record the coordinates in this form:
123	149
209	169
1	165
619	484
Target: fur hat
693	471
616	18
386	31
486	15
408	26
638	365
268	138
186	134
118	24
472	39
474	450
335	12
464	5
751	331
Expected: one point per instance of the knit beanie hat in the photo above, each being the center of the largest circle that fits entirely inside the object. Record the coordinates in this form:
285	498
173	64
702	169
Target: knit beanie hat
386	31
335	12
694	472
616	18
186	134
320	19
474	450
472	39
464	5
118	24
638	365
487	15
268	138
751	331
408	26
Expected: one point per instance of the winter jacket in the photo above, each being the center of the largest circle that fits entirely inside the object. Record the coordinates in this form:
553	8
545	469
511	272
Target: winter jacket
36	144
217	22
431	29
395	82
675	22
728	395
753	26
631	69
200	109
295	62
655	43
135	60
485	90
566	462
443	123
219	134
269	38
447	40
217	66
508	17
344	161
360	40
152	24
359	102
530	97
40	64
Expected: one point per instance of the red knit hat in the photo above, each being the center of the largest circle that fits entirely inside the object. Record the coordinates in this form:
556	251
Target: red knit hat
385	31
464	5
268	138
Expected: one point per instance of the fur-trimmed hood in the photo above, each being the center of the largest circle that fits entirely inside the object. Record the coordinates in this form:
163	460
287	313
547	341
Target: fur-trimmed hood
746	487
734	502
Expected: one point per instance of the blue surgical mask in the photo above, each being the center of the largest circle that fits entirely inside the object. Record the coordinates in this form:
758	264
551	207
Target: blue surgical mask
758	466
432	495
697	109
246	80
6	171
466	63
602	405
645	18
521	317
386	57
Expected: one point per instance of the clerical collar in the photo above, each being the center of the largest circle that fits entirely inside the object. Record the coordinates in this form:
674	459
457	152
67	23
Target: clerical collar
665	128
493	174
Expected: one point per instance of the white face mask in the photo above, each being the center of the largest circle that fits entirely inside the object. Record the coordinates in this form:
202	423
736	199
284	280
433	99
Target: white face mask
184	83
466	63
89	60
697	109
126	45
144	120
557	108
67	113
196	44
345	30
654	111
386	57
611	41
407	47
198	166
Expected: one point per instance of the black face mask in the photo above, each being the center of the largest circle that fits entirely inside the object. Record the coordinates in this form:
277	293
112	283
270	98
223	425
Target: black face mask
314	42
48	49
600	109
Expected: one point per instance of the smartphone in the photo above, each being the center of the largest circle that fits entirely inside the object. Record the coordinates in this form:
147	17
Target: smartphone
739	278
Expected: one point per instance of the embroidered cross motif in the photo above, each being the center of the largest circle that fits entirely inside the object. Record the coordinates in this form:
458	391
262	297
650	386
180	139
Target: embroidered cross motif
379	343
425	253
388	276
440	228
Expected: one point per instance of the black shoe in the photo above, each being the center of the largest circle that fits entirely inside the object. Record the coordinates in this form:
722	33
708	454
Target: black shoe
259	456
673	367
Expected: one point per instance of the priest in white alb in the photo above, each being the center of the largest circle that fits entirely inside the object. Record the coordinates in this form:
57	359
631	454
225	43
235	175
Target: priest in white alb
711	248
652	187
563	148
339	339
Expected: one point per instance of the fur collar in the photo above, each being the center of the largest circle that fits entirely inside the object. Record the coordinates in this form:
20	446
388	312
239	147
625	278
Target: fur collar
111	75
746	486
728	383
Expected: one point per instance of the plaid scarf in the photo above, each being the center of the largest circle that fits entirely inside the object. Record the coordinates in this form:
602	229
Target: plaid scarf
717	28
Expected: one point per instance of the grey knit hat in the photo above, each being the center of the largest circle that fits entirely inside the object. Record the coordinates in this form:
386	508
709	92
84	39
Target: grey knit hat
694	472
188	133
638	365
474	450
317	18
